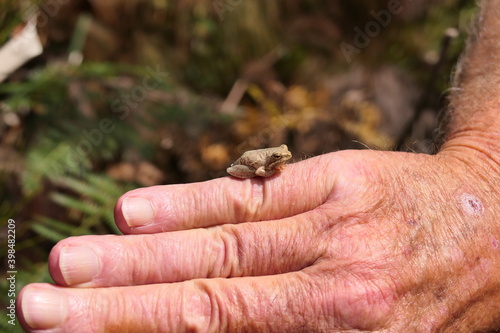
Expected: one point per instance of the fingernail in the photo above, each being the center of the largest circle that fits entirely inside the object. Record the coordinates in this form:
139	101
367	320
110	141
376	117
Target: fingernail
44	309
79	264
137	212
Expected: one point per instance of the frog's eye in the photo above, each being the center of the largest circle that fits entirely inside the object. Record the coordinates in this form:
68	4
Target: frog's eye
277	155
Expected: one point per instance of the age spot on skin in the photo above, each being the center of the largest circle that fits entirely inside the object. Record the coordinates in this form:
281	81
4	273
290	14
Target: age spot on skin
471	205
494	243
412	222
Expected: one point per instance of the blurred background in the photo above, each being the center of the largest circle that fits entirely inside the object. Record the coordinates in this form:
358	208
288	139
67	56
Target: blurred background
122	94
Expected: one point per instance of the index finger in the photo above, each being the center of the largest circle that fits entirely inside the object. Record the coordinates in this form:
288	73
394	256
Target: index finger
300	187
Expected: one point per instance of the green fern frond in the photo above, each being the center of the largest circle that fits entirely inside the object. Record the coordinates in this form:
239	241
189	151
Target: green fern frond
90	201
84	189
110	186
75	203
43	163
55	225
48	232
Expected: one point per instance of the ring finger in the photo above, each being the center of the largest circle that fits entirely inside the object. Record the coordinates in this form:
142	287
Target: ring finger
247	249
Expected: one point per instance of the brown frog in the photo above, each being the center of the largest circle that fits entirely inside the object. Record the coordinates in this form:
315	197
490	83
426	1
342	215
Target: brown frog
260	162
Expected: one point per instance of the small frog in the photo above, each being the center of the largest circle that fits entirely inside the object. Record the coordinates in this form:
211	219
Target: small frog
260	162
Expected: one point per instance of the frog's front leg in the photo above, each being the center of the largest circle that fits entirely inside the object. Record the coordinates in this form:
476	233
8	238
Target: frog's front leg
241	171
264	173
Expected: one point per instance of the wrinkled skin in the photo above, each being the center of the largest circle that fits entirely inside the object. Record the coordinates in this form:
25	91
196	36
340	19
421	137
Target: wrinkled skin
372	241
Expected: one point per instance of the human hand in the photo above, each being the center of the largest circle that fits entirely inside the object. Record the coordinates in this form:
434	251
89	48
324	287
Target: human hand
353	240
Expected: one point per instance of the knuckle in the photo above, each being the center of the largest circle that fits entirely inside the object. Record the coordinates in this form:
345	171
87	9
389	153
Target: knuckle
249	204
209	315
229	253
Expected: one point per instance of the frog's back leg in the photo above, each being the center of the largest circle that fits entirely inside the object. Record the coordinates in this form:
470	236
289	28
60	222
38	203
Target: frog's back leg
241	171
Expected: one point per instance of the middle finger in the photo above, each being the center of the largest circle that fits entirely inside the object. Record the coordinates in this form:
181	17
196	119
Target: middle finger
248	249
